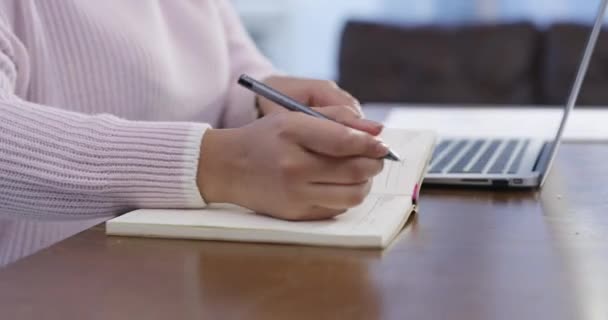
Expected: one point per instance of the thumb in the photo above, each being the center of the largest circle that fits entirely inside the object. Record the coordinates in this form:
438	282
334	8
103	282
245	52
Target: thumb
351	118
333	139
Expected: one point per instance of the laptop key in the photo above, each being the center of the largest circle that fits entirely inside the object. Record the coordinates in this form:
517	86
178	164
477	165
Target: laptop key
467	157
438	167
501	162
439	149
485	157
518	158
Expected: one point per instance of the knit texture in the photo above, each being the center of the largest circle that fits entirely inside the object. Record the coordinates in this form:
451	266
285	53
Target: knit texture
103	104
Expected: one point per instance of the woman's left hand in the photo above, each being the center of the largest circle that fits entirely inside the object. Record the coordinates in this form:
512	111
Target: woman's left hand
325	97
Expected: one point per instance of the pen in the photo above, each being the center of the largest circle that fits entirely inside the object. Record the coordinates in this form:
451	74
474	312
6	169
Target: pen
290	104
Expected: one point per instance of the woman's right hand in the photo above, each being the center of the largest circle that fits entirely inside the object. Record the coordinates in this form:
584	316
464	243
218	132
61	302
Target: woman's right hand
290	166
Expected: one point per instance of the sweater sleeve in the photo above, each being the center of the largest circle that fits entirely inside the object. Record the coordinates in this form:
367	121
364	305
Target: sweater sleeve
244	58
57	162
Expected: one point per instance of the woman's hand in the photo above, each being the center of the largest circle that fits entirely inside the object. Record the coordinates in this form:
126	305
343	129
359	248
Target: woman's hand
290	165
320	94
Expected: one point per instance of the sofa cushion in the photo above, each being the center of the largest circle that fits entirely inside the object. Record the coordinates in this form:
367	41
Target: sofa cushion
563	50
490	64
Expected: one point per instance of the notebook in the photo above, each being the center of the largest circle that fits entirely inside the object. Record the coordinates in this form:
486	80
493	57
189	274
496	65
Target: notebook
372	224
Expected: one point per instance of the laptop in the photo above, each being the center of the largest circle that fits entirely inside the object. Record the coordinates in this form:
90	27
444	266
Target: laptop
506	162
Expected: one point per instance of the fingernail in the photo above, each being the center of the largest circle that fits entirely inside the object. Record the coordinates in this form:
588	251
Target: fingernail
381	149
373	124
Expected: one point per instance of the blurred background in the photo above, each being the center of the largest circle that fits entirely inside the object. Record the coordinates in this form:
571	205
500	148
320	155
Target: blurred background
434	51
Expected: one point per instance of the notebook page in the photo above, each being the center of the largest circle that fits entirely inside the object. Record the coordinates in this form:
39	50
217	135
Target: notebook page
399	178
378	216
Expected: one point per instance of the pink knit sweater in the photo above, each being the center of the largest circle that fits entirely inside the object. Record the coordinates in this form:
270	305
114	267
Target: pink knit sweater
103	104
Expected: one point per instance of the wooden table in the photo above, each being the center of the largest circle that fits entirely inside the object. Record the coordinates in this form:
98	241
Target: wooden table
467	255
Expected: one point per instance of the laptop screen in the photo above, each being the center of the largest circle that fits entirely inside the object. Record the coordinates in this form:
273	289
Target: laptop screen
576	87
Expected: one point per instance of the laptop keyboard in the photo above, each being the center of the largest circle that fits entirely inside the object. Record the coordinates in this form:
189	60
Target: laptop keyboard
440	147
485	157
478	156
518	158
505	155
464	161
446	159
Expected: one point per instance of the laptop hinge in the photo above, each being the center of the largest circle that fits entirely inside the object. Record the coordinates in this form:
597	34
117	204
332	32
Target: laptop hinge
543	158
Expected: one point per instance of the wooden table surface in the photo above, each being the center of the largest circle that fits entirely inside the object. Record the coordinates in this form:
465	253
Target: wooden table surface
468	254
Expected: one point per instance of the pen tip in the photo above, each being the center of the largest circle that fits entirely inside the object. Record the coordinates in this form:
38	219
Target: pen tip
392	156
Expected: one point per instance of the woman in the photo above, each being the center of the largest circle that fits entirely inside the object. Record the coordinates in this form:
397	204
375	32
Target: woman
106	106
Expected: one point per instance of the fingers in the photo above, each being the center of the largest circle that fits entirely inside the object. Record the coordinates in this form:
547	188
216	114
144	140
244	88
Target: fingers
353	170
319	213
330	200
330	138
327	93
315	168
311	92
349	117
338	197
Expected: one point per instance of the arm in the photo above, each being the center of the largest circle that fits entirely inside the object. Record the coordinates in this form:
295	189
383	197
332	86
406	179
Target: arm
58	162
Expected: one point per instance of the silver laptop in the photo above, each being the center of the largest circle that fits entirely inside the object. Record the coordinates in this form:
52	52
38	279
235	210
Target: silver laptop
510	163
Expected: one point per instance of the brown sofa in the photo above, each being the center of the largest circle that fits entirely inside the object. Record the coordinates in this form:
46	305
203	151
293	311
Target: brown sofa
471	64
563	48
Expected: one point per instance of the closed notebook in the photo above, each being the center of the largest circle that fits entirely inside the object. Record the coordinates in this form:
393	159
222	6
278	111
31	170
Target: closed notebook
373	224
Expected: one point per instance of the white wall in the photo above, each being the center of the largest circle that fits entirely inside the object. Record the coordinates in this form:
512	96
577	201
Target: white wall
302	36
